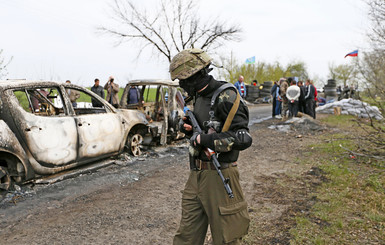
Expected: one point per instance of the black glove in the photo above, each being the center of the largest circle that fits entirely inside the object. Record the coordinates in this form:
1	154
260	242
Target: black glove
194	148
193	140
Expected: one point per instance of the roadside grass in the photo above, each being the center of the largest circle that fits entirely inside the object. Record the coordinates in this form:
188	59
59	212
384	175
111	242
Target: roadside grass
86	98
350	207
149	96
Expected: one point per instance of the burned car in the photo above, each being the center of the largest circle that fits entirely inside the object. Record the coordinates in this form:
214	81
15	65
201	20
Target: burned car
157	101
43	132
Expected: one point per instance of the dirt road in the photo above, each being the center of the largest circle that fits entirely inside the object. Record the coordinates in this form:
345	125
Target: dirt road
138	202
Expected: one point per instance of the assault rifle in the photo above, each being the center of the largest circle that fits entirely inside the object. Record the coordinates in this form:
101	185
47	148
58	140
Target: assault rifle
211	155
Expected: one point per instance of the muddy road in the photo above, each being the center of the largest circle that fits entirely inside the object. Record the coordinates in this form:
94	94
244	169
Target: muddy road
137	200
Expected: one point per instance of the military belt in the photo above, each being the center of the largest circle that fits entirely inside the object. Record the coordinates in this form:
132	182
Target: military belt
208	165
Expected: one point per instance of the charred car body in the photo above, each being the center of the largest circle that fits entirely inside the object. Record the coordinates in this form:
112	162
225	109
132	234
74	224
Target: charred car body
43	132
157	101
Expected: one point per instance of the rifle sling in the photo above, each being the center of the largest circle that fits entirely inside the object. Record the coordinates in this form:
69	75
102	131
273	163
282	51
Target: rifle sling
232	112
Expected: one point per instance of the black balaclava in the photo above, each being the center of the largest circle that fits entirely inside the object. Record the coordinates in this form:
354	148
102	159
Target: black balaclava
196	82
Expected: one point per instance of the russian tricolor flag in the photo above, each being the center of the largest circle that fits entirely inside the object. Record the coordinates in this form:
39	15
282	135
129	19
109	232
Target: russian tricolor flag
354	53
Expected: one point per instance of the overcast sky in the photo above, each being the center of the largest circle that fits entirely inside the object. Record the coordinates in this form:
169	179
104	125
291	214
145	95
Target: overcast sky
57	39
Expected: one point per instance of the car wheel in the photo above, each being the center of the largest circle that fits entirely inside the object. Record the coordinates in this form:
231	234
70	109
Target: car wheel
134	144
5	179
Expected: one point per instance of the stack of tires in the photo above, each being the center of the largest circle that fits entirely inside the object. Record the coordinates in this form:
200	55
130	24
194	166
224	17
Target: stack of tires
252	93
330	90
265	91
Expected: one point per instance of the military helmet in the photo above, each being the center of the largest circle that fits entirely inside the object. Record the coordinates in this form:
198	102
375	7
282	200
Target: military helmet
188	62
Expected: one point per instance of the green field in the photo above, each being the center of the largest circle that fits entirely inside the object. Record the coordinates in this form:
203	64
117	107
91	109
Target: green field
149	96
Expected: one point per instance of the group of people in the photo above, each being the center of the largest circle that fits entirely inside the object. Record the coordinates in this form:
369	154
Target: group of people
346	92
112	93
290	97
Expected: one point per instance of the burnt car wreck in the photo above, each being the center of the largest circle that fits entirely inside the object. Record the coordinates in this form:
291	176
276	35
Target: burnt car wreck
43	132
157	101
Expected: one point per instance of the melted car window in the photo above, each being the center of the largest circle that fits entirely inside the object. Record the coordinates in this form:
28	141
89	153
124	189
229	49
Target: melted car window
149	93
41	101
23	100
84	103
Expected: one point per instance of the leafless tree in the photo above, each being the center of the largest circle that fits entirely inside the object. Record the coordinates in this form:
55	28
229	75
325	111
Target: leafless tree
175	25
372	64
3	64
377	17
371	68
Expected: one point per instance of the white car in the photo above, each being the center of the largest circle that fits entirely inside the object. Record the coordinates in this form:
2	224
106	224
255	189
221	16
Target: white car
42	132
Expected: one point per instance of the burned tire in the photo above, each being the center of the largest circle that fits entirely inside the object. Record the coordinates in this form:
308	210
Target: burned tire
135	144
5	179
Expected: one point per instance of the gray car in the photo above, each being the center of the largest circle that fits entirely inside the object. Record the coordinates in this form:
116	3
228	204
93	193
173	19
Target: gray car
157	101
43	132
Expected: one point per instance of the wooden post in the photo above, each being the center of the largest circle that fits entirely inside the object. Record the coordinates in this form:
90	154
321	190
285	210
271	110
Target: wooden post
337	111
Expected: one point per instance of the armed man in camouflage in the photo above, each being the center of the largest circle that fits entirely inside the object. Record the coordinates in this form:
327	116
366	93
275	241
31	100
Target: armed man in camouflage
205	201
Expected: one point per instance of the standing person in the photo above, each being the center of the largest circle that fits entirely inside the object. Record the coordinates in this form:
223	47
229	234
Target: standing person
301	101
309	98
112	92
315	99
273	92
282	92
133	95
278	99
73	94
205	201
97	89
240	85
293	93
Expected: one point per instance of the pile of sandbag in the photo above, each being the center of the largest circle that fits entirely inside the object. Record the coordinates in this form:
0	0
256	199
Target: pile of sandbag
352	107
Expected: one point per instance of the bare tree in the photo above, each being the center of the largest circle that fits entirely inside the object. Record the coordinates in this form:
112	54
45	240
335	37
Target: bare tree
3	64
377	17
371	144
175	25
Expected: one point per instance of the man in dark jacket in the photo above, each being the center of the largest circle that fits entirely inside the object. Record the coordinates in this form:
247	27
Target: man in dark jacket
309	99
301	104
273	92
97	89
204	200
133	95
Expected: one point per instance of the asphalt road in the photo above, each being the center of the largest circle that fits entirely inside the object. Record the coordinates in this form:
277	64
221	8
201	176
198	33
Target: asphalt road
259	113
125	170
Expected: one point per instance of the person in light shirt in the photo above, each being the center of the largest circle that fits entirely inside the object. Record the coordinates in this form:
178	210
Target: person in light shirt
292	95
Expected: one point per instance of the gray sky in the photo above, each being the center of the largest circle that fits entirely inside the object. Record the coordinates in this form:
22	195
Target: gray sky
57	39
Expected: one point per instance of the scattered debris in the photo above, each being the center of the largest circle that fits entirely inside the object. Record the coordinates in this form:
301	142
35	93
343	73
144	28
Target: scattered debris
281	128
352	107
303	125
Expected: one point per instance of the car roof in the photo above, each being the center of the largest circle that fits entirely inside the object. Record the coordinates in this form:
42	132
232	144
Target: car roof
166	82
20	83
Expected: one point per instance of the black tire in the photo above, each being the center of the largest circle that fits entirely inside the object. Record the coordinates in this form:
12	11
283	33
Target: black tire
251	89
251	98
263	95
268	83
332	82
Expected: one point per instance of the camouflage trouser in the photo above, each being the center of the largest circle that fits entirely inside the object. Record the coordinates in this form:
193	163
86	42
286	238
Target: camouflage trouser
285	109
205	202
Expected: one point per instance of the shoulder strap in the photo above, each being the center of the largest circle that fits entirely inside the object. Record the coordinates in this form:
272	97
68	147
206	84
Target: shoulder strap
232	112
218	91
234	108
